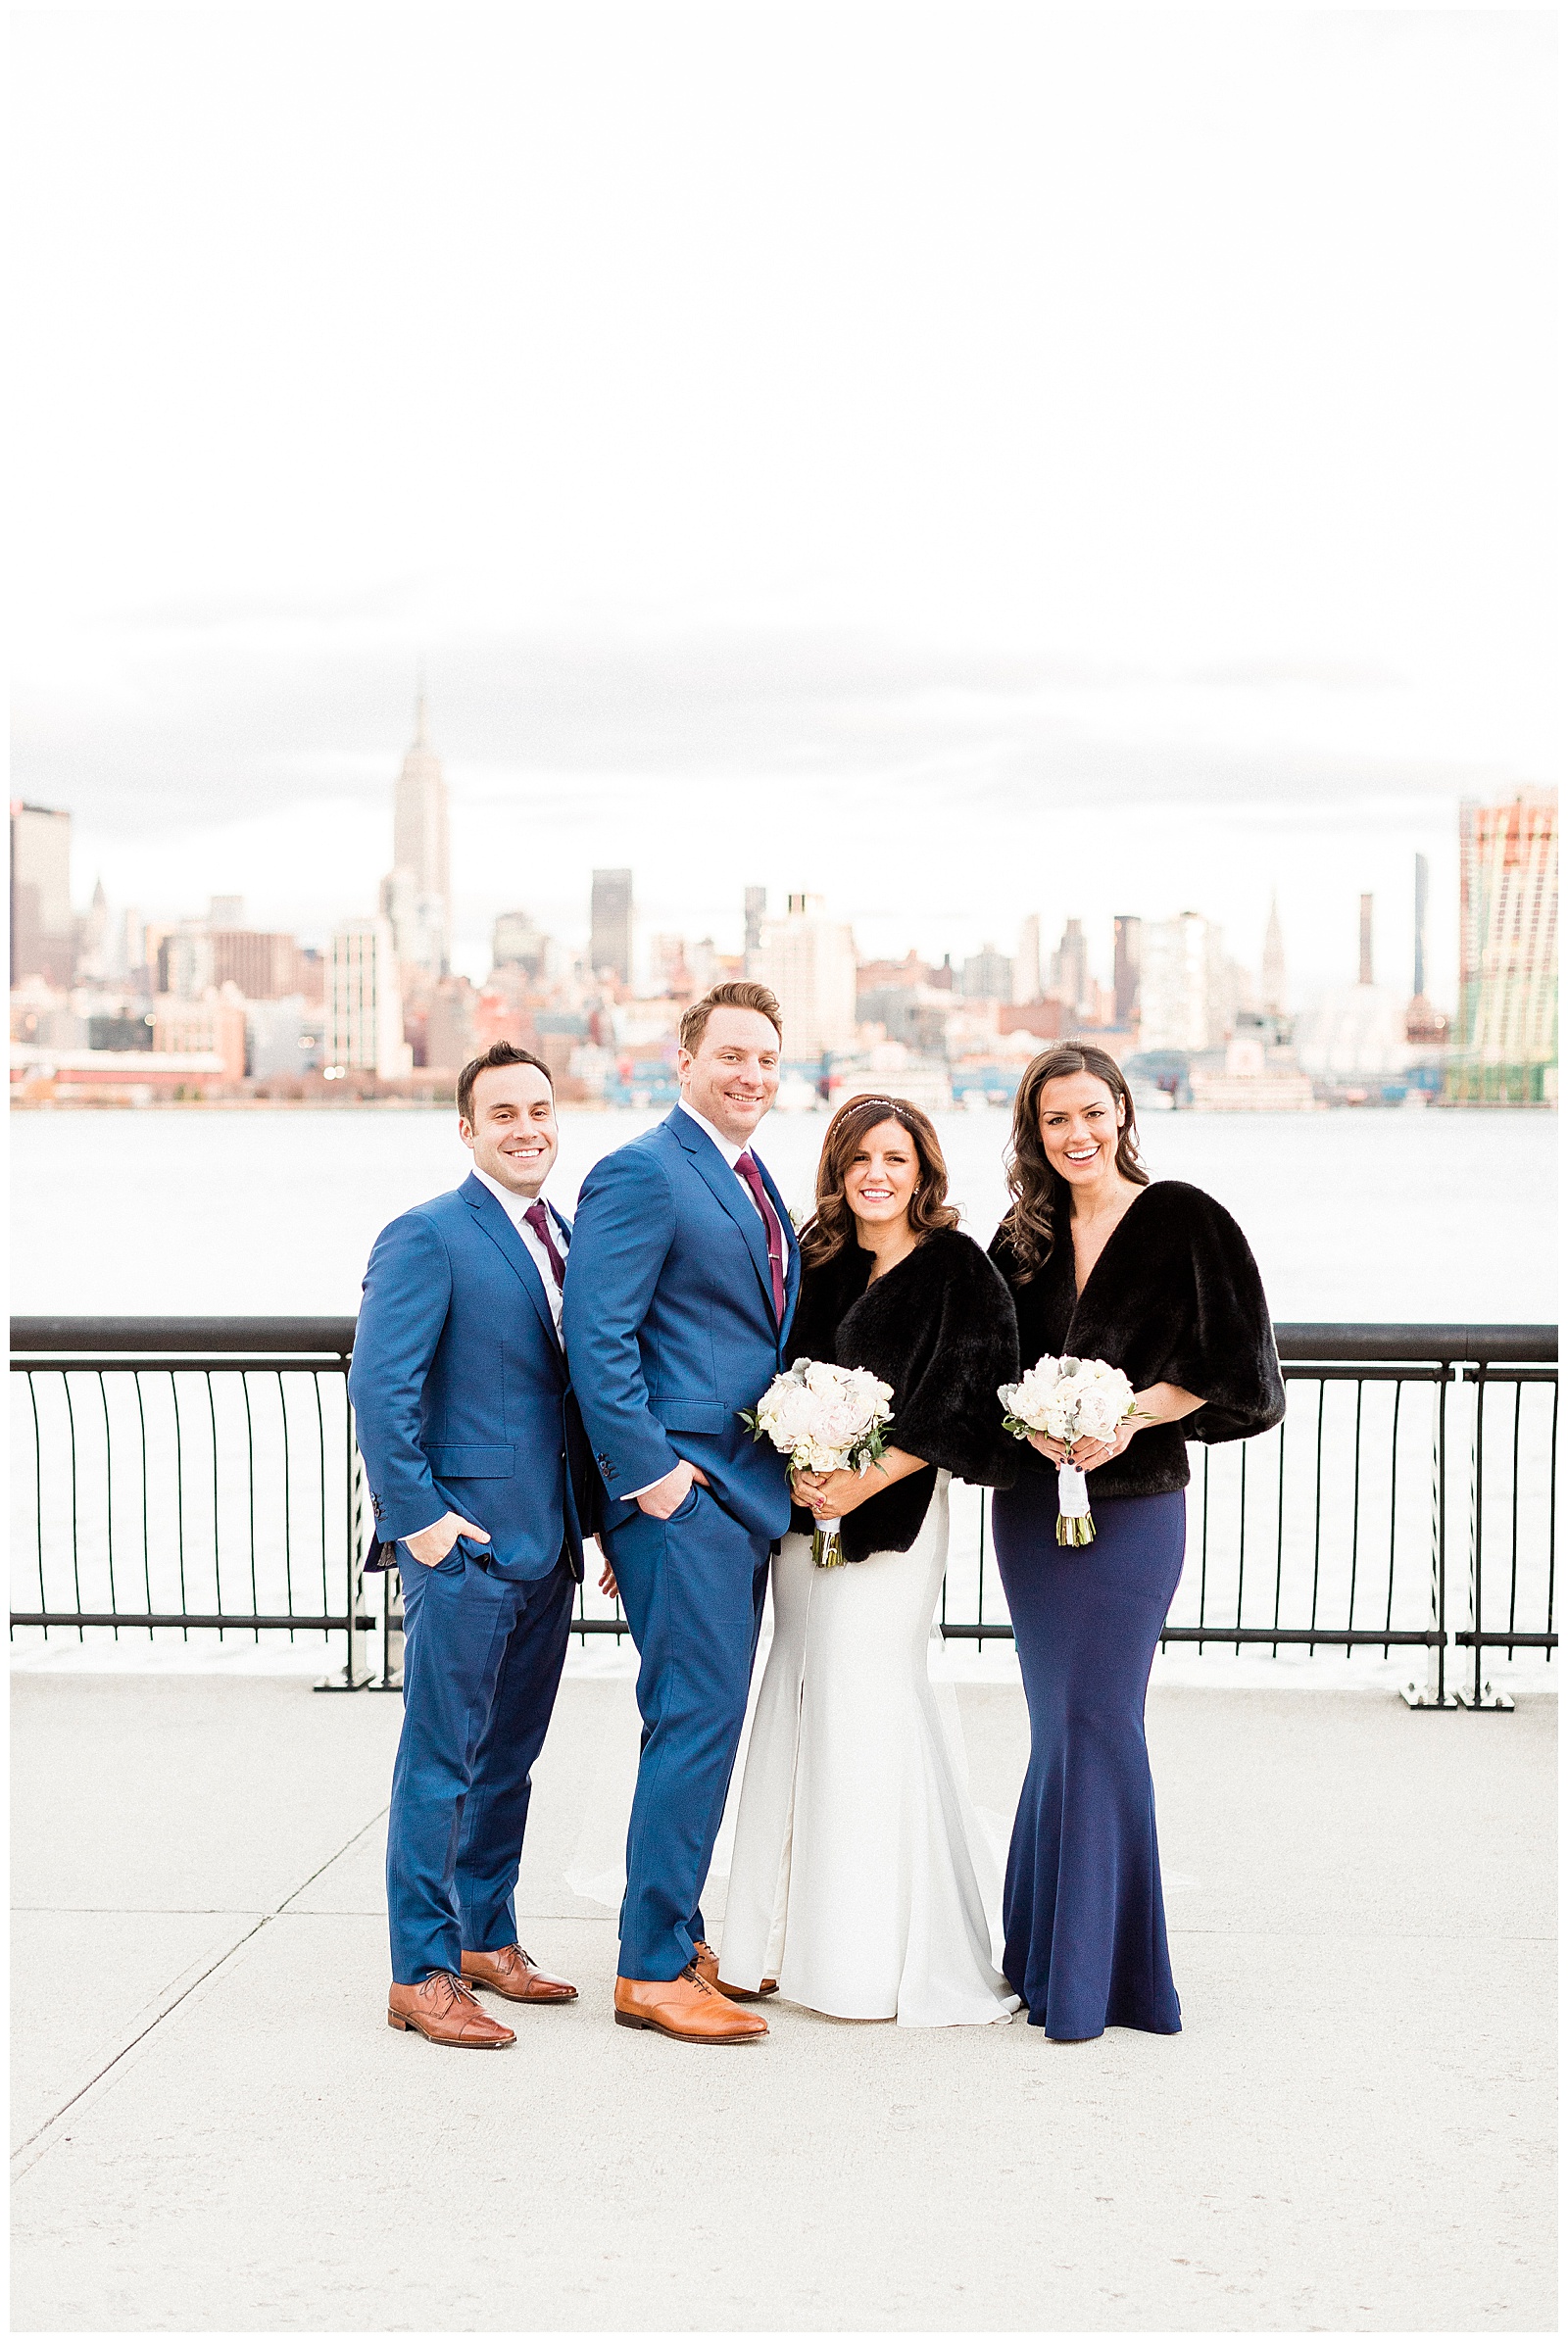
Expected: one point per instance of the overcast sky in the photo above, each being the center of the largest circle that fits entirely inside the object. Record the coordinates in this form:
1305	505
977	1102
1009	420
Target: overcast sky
964	460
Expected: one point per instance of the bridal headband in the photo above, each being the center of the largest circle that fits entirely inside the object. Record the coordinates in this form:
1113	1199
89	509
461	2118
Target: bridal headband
900	1107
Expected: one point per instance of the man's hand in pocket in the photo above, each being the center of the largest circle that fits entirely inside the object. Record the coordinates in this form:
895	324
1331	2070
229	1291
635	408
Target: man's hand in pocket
669	1494
432	1546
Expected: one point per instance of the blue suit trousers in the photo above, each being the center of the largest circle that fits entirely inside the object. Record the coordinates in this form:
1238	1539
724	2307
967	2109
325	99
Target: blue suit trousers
482	1662
693	1588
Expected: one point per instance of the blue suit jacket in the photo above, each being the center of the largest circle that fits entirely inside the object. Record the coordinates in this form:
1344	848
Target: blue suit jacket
669	1322
459	1388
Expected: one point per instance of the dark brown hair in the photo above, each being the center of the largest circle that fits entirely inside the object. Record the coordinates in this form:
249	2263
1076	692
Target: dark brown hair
500	1052
1039	1194
756	996
831	1228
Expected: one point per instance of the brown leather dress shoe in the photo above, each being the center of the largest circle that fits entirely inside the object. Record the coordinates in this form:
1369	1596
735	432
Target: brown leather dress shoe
684	2008
510	1973
445	2012
706	1967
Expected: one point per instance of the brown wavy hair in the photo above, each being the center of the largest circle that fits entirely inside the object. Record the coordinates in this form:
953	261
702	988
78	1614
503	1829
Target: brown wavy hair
1040	1195
831	1227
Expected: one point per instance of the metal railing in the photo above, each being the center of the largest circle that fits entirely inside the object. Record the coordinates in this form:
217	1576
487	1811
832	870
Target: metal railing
188	1473
200	1475
1337	1530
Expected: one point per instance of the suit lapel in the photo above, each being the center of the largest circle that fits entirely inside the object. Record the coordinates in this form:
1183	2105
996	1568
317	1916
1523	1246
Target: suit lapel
727	1188
499	1229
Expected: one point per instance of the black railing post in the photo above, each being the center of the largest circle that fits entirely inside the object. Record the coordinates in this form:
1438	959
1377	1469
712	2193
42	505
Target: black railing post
1434	1693
354	1677
1478	1692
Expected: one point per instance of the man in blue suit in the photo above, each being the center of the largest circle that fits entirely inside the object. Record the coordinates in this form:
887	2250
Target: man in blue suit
476	1460
679	1294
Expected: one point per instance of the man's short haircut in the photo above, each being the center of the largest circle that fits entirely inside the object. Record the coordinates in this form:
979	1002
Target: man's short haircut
756	996
500	1052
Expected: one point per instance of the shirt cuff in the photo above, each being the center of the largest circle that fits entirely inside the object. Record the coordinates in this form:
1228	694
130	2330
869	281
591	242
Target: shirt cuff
632	1494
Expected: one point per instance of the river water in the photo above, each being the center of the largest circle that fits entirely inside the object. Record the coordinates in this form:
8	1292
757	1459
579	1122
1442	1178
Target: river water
1399	1214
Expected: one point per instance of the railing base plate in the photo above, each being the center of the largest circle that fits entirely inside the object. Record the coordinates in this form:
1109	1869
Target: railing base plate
1422	1696
1485	1699
339	1683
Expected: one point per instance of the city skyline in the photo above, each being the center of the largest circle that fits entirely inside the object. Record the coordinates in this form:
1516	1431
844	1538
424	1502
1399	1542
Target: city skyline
427	910
134	1009
800	948
881	934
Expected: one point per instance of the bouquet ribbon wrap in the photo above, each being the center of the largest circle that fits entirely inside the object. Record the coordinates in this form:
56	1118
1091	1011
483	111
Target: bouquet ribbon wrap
1074	1522
826	1551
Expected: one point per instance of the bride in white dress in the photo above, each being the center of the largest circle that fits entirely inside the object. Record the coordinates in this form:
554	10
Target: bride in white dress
853	1880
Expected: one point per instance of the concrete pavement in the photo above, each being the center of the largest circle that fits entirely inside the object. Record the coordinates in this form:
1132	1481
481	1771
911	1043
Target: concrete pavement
215	2129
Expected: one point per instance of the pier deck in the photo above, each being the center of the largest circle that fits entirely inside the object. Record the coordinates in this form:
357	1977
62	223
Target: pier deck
216	2129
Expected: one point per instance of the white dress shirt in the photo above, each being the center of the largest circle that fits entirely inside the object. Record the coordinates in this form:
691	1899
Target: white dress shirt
515	1207
732	1155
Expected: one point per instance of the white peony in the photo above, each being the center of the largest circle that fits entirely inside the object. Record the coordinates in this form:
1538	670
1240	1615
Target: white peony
1069	1398
824	1417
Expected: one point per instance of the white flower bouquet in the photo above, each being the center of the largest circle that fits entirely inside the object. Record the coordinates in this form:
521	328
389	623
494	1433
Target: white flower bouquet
824	1419
1069	1400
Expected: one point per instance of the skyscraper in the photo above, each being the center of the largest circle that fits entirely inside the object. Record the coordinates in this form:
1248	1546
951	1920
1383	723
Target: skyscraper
43	928
1027	984
517	943
1069	973
610	925
1507	951
987	975
808	962
185	970
365	1005
755	913
264	966
1183	983
417	893
1424	1025
418	924
1366	975
1127	970
94	947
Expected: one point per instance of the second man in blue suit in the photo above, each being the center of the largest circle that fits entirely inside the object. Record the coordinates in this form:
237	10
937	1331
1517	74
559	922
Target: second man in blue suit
679	1291
474	1457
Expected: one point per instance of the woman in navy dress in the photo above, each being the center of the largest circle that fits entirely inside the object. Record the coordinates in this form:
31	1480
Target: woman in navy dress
1158	1280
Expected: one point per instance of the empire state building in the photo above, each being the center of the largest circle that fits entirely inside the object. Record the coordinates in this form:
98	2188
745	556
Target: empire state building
417	893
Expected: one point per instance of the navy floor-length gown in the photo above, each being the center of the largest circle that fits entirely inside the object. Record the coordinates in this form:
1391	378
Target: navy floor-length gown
1174	1296
1083	1909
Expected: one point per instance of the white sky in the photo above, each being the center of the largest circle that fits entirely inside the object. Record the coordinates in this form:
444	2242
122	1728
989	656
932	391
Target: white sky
966	460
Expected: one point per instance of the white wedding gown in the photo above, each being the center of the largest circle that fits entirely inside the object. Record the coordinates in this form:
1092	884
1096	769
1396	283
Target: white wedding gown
855	1873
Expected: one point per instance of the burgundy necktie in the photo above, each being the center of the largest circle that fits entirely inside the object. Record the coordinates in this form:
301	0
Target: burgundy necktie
746	1165
538	1220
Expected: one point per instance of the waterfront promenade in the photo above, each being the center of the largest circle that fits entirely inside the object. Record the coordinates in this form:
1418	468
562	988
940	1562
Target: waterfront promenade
216	2129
